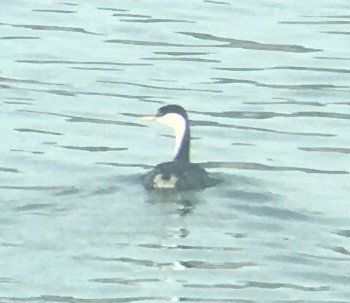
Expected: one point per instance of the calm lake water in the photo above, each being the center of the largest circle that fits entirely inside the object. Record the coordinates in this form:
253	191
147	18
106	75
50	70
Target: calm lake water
267	87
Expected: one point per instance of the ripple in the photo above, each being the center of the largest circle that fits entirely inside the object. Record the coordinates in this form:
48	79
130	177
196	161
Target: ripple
247	44
21	99
287	101
131	15
67	192
9	170
106	191
160	87
93	148
193	264
82	62
96	68
341	250
19	38
208	265
156	20
8	244
146	43
182	59
41	208
260	285
147	19
329	16
326	277
84	119
59	92
139	262
68	3
37	131
7	280
279	86
34	152
69	299
335	33
340	150
175	54
137	97
269	115
296	68
49	91
126	165
33	188
125	281
316	258
26	81
344	233
55	11
40	27
312	301
252	196
315	22
189	247
103	121
242	144
259	166
218	2
112	9
258	129
29	207
59	299
332	58
18	103
276	213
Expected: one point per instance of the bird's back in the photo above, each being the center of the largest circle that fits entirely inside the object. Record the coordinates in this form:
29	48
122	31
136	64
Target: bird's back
177	175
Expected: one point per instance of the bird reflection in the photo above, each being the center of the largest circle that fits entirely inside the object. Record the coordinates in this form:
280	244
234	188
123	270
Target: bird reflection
183	203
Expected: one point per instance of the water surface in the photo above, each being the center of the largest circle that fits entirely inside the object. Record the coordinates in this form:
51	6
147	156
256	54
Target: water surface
266	86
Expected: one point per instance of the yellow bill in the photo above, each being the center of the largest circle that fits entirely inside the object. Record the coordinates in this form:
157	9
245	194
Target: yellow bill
148	118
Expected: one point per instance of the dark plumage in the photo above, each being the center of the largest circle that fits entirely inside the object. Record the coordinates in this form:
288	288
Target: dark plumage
178	175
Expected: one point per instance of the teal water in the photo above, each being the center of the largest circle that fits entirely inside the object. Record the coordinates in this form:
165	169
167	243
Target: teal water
266	86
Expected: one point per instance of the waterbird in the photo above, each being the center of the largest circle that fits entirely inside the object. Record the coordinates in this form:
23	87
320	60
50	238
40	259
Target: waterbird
180	173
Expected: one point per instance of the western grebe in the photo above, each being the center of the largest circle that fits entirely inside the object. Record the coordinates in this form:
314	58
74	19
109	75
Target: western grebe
179	173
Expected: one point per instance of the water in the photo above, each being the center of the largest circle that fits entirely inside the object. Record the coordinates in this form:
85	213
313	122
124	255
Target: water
267	89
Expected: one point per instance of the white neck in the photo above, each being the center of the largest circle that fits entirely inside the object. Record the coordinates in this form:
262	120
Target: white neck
178	124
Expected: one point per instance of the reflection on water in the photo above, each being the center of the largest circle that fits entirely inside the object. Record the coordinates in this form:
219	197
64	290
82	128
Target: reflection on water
266	86
183	203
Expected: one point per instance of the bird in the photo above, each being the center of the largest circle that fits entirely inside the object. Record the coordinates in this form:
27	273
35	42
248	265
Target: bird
180	173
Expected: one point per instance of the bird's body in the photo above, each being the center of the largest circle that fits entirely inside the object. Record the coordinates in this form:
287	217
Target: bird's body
180	173
177	174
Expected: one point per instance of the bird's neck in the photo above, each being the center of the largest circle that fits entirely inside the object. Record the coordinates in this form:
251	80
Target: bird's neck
182	145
